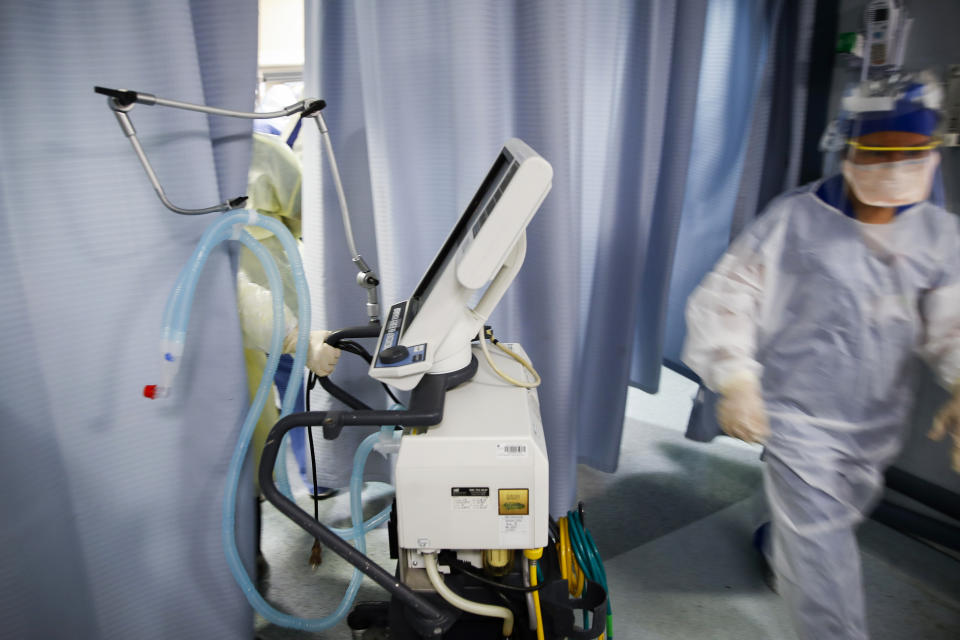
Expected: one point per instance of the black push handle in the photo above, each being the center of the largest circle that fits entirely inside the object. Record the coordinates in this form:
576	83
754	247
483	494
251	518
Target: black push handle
436	620
426	409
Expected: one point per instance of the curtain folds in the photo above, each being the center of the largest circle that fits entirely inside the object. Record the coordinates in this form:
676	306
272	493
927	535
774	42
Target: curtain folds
748	134
111	502
749	131
421	96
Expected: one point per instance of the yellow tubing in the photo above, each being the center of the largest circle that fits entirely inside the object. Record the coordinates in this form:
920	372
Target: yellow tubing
532	556
564	549
526	365
569	567
536	599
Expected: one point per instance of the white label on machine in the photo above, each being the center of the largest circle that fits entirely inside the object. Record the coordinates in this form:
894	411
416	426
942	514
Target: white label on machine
511	450
514	531
471	504
470	498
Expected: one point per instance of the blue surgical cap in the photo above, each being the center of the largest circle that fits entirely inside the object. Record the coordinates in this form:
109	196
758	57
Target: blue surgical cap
922	121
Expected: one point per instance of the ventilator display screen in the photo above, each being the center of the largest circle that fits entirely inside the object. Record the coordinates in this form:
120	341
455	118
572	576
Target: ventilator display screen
469	224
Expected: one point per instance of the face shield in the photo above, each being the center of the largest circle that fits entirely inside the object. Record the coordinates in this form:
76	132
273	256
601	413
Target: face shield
891	168
885	142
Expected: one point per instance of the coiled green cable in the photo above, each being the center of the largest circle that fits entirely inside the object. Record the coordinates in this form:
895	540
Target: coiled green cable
585	550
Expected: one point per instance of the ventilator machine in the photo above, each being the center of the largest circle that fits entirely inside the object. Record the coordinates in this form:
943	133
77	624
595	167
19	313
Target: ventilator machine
478	555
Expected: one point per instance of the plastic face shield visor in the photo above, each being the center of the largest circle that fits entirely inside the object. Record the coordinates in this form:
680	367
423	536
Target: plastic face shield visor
865	154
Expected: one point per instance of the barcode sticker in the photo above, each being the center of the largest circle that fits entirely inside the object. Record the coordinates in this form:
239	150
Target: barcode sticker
511	450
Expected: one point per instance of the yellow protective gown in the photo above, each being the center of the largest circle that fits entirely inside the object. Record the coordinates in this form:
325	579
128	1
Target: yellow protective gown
273	189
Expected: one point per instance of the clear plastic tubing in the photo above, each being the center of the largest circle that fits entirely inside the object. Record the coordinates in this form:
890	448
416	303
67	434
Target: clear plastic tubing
177	311
175	322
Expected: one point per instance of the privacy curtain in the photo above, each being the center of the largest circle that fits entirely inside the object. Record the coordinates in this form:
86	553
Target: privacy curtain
422	94
748	139
111	503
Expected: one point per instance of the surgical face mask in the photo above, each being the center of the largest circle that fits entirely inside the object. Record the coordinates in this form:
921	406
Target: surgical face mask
892	184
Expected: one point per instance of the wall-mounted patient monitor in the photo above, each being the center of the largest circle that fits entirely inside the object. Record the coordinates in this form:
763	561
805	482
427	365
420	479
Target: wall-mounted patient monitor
431	332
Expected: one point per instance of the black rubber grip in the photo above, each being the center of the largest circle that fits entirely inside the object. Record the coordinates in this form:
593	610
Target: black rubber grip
124	97
319	105
237	202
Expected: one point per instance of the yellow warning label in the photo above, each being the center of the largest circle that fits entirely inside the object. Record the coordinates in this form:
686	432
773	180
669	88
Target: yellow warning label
514	502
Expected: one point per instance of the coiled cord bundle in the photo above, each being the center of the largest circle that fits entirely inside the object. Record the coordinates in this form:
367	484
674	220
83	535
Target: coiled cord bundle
587	557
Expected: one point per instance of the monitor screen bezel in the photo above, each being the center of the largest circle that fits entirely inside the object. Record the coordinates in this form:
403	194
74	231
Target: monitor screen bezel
498	173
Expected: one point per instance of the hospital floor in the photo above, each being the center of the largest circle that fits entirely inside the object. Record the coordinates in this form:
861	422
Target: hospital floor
673	525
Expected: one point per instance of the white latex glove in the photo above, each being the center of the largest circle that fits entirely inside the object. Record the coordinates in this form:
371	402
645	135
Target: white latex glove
740	410
321	357
948	421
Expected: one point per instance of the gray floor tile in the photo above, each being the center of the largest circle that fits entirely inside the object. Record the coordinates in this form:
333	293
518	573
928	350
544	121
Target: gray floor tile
703	581
663	482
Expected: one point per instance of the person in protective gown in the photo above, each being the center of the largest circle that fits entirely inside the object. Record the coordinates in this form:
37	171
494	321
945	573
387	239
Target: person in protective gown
808	329
273	189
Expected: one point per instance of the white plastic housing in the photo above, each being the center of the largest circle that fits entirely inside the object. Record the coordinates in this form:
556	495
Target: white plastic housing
485	249
481	256
490	439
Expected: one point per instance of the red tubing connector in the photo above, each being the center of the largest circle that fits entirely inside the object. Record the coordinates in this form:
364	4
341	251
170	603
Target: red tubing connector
150	391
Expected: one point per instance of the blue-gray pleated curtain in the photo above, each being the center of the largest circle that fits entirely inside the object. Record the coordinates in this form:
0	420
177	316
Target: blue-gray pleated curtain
422	94
748	133
749	138
111	503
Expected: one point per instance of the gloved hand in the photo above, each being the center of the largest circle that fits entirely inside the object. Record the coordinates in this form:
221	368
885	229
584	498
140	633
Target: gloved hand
740	410
321	357
948	421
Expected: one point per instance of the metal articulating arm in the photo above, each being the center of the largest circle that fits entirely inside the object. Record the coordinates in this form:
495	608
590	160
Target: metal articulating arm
121	101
